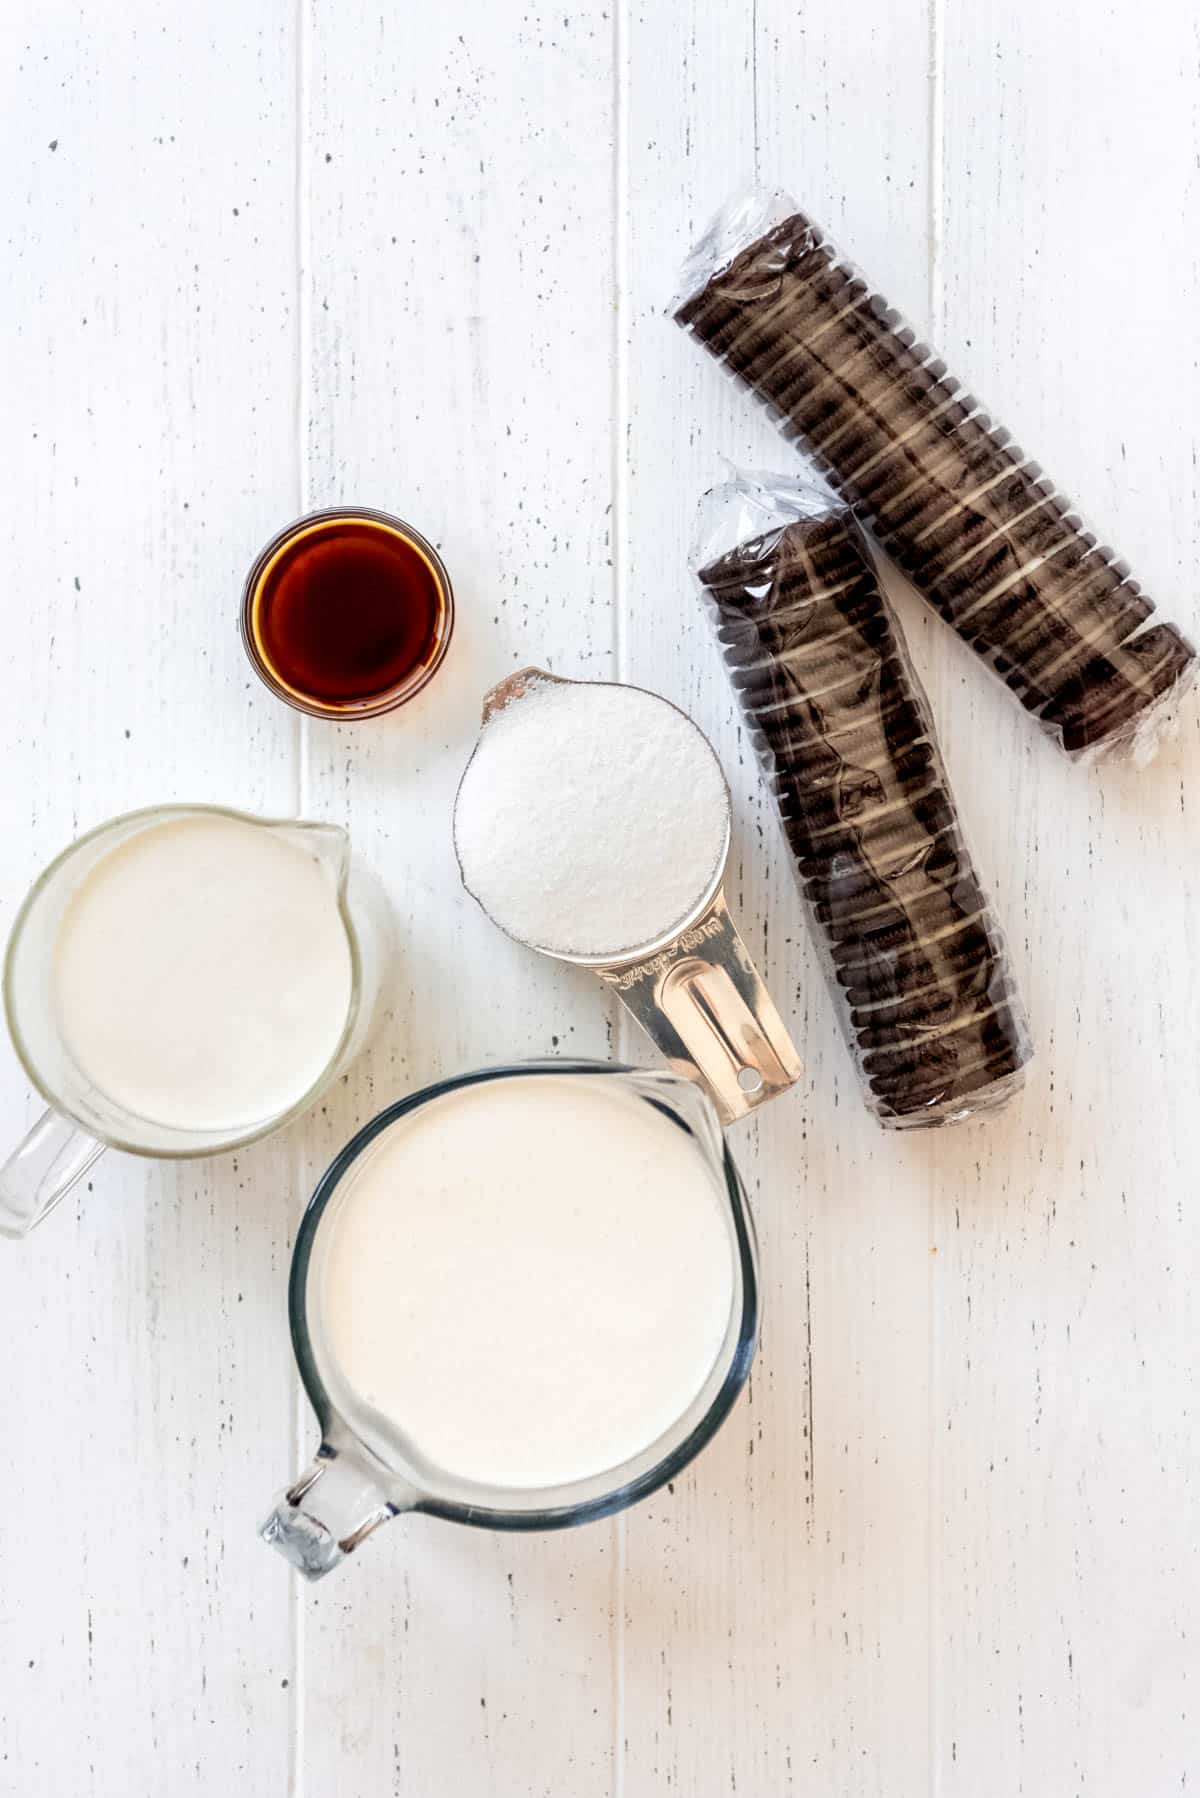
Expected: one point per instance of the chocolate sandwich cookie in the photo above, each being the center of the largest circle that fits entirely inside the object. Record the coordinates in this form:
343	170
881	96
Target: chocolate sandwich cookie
902	930
900	1062
846	915
949	1088
1008	556
986	1030
898	726
876	962
849	380
810	637
843	735
970	526
989	612
803	742
899	922
789	752
921	1016
816	325
1008	493
827	680
882	840
848	885
833	695
973	1095
846	793
754	278
845	616
1093	600
848	781
838	680
855	899
864	861
844	424
897	729
889	979
801	284
751	346
898	812
906	488
1061	649
842	369
833	690
756	579
1038	646
1112	692
987	1033
902	493
1095	603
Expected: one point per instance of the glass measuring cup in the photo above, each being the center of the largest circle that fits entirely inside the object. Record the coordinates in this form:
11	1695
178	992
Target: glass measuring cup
82	1121
695	991
365	1472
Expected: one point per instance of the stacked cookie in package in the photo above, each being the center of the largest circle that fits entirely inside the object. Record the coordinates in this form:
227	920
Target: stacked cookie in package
987	539
843	733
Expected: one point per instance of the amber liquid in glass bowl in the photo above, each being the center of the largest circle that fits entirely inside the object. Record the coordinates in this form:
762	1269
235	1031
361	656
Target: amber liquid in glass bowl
347	614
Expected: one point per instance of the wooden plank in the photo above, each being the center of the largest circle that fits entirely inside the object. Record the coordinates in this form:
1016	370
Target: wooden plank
1066	1527
458	184
967	1448
776	1611
149	446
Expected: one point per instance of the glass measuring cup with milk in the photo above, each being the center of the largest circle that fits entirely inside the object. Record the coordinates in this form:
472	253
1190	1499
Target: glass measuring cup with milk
181	981
520	1299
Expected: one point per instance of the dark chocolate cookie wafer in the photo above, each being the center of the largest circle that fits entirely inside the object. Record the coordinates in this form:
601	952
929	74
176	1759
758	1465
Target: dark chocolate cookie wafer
977	527
982	1033
844	737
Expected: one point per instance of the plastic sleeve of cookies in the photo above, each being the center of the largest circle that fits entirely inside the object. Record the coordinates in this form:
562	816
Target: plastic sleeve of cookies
978	528
843	735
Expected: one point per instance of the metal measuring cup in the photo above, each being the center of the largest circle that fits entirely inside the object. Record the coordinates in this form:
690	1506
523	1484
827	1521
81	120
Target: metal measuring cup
695	992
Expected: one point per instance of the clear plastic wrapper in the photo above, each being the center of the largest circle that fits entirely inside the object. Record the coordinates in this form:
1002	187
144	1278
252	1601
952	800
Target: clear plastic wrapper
843	735
981	532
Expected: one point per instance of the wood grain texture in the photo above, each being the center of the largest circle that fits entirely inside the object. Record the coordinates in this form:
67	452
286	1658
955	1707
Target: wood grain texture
264	258
1067	1360
148	378
459	288
796	1552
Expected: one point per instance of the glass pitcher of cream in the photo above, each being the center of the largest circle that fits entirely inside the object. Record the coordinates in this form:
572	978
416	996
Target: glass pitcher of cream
181	981
519	1299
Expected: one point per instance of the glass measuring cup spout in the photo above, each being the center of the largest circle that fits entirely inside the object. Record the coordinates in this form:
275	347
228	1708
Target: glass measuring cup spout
328	844
82	1120
367	1470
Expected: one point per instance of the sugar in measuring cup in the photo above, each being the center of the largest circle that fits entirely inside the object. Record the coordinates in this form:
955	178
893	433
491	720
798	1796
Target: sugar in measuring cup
181	981
593	824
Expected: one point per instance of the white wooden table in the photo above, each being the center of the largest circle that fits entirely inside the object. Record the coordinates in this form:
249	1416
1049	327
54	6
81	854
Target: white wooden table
260	257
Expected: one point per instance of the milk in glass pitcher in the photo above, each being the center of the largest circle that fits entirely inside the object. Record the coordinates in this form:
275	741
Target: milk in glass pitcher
181	981
520	1299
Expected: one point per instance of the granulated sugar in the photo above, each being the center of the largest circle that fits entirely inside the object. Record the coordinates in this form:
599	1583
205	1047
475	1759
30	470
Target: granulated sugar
591	818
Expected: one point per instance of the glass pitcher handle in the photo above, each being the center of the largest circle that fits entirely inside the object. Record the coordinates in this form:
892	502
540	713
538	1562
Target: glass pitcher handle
42	1170
326	1514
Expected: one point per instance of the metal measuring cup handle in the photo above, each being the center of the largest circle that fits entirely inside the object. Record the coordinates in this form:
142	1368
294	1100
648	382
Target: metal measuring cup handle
704	1004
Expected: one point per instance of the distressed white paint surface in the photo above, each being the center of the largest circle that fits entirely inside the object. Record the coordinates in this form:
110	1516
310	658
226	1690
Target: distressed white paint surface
263	257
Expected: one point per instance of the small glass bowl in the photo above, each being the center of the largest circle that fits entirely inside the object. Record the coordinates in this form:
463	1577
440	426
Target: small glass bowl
345	711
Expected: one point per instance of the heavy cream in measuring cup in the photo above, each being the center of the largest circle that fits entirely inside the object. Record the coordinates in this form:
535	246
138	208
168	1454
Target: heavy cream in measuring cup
202	974
530	1279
